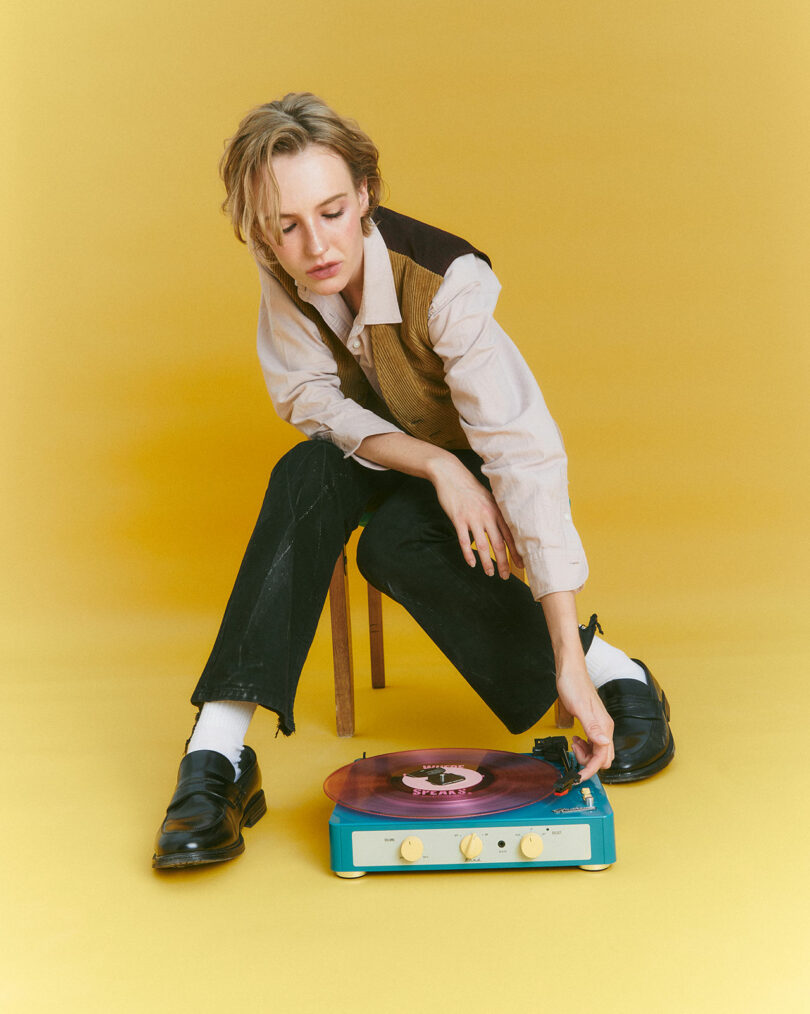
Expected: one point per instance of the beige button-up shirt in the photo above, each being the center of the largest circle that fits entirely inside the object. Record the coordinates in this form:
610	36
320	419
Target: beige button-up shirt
500	406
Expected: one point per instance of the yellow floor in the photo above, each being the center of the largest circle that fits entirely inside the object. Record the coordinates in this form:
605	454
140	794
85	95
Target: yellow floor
705	909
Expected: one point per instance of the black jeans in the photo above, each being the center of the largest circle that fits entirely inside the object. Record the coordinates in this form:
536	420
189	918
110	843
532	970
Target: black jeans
492	631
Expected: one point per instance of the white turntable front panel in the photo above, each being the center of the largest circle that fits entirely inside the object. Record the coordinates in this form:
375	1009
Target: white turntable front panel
443	846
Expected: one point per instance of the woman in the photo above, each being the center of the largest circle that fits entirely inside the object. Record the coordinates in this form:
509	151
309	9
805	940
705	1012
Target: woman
377	341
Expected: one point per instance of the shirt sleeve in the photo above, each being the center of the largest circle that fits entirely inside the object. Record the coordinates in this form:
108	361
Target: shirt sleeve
506	421
302	379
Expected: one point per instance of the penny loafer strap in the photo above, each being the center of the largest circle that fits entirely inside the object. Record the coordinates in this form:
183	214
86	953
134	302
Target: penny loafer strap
627	699
228	792
646	709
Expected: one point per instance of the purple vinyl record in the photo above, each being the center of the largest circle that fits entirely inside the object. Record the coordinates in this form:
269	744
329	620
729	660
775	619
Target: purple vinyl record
441	784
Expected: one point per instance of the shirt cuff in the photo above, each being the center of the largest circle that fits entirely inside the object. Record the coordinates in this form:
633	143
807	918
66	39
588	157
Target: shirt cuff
553	570
349	444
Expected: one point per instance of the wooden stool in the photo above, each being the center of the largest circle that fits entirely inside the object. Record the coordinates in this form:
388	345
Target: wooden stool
340	615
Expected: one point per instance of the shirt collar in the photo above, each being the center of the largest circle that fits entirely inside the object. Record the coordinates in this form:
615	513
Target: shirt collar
380	304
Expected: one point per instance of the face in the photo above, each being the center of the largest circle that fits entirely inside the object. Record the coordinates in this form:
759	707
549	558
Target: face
321	222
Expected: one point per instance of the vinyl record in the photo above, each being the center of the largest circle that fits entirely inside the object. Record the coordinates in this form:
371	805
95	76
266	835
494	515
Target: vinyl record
441	784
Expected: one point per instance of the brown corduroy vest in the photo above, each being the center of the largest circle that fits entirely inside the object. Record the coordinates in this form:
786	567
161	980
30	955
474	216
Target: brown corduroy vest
410	373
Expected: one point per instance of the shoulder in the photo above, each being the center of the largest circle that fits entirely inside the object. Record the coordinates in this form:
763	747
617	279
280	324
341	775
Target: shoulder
431	248
278	291
270	284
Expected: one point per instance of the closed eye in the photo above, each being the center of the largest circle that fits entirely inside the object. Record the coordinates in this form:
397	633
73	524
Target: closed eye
331	214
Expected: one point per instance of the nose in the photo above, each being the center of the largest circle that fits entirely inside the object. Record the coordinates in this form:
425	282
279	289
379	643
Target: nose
314	243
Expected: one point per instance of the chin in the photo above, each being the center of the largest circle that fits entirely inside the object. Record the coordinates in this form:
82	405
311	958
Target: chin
327	286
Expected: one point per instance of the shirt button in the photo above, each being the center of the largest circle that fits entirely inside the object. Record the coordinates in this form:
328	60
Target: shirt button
356	343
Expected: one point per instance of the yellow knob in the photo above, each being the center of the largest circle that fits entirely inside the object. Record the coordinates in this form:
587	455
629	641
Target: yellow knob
471	846
531	845
411	848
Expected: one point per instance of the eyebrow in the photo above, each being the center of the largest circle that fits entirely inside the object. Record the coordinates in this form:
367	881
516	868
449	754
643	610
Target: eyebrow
328	200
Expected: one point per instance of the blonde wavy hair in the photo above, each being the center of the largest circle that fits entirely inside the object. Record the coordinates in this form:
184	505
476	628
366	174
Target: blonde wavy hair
284	127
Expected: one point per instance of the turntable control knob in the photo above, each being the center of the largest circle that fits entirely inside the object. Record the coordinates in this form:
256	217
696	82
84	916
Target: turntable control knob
471	846
411	848
531	845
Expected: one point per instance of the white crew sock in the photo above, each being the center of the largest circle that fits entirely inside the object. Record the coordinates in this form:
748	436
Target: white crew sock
606	663
221	727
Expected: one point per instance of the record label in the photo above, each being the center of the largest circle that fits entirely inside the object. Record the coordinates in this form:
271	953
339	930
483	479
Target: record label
447	780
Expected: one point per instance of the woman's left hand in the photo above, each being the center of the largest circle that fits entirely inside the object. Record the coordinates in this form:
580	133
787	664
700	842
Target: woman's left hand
475	515
574	685
469	505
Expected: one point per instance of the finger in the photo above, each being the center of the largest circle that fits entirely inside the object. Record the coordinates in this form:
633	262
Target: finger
499	549
506	532
589	764
604	723
595	762
482	545
611	753
601	745
466	546
590	760
581	752
589	770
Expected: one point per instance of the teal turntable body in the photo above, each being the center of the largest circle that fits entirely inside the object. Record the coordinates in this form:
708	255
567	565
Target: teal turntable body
422	810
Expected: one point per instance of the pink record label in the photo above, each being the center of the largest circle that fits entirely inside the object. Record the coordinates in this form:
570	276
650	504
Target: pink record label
448	780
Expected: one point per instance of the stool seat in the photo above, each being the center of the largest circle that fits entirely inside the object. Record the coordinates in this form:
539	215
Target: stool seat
342	657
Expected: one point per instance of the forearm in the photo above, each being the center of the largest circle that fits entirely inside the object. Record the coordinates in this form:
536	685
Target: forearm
575	689
407	454
560	611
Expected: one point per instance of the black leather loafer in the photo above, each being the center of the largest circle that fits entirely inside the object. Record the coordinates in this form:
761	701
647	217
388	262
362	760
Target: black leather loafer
641	734
208	810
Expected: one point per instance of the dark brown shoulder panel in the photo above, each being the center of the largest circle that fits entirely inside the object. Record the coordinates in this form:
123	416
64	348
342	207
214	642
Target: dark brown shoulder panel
429	247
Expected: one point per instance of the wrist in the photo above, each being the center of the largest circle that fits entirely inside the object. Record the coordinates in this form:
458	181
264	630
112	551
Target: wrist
561	618
440	464
569	657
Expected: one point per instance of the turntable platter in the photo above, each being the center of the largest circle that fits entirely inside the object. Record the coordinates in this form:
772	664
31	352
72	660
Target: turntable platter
442	783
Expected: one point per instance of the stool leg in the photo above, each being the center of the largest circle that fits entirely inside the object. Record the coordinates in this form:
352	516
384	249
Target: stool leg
342	648
375	637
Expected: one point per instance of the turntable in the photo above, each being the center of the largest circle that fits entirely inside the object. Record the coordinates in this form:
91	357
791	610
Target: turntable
462	809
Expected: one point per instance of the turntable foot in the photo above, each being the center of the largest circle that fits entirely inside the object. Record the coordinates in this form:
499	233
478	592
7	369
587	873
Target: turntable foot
595	867
350	874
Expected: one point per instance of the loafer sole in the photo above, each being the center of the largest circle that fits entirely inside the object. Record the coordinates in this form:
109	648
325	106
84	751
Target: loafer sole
254	812
199	857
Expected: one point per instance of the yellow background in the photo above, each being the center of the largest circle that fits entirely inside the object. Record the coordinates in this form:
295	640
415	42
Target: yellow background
637	172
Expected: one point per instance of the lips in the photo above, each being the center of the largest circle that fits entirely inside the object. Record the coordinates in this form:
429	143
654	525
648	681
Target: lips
321	271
